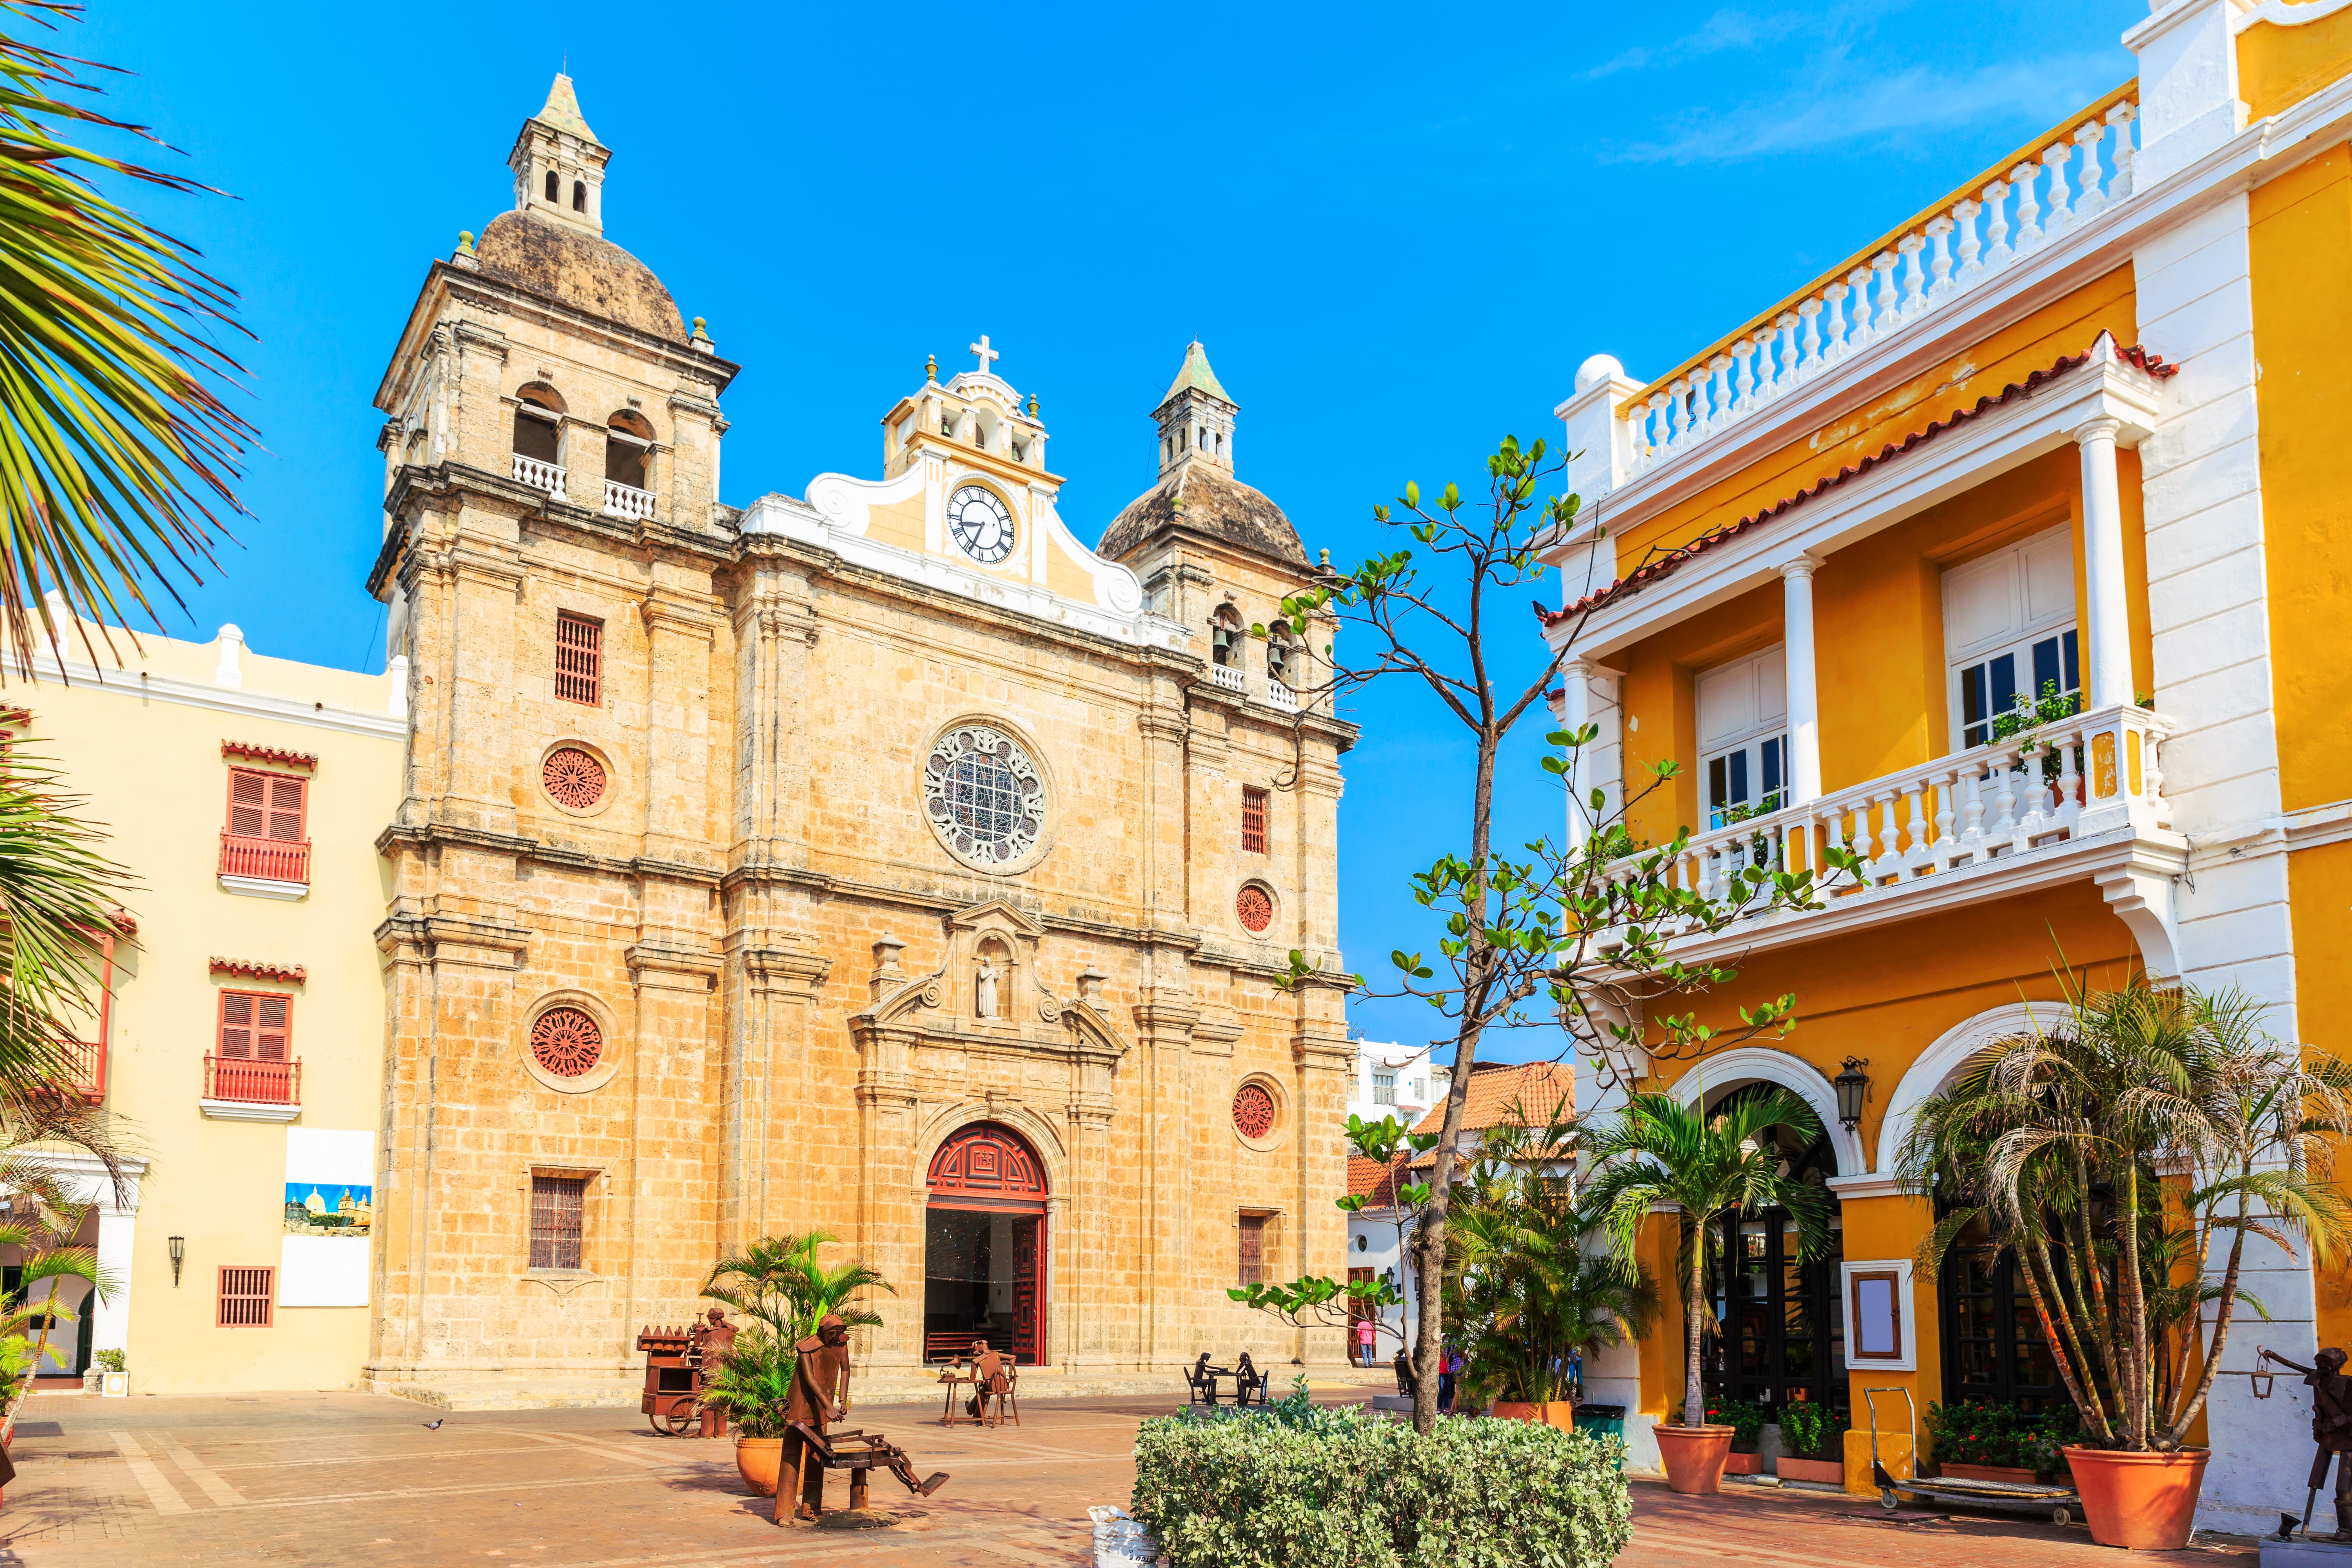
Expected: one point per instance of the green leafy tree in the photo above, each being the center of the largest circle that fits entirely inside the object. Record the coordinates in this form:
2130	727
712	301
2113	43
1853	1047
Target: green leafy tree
2059	1141
1656	1151
780	1282
1580	937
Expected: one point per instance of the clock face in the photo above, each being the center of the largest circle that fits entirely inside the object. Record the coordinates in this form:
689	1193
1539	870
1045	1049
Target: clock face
982	529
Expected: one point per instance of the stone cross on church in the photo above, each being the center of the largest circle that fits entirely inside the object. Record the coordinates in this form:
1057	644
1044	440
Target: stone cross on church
987	355
883	858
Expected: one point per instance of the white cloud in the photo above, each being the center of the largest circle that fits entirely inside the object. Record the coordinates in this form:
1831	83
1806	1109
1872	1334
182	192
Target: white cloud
1841	106
1722	31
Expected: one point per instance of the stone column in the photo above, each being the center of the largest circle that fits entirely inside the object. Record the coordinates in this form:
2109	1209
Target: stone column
1576	713
1804	763
2107	639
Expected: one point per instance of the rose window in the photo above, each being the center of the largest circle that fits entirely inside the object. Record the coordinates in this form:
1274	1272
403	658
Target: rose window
1252	1111
566	1042
984	796
1254	909
573	778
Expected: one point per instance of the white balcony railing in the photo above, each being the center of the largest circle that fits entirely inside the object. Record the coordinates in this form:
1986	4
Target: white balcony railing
540	476
1277	695
1987	226
2030	793
1227	678
628	501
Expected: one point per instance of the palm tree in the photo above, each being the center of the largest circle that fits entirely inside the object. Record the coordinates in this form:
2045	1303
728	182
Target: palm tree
2060	1141
1658	1150
778	1281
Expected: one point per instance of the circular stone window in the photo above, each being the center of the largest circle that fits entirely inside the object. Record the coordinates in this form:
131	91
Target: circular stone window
572	779
984	797
1253	1113
1254	907
566	1043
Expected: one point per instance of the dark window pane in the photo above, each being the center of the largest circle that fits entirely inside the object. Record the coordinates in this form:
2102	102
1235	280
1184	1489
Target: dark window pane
2074	664
2004	682
2045	667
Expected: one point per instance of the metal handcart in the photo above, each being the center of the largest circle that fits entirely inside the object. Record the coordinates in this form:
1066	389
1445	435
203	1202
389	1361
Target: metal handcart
2059	1505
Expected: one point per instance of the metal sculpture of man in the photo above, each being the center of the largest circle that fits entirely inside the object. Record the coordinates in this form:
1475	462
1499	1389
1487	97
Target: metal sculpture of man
714	1342
820	1395
2331	1428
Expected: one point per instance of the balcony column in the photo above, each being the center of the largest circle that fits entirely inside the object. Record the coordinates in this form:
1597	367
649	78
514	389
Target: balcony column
1576	713
2107	642
1804	782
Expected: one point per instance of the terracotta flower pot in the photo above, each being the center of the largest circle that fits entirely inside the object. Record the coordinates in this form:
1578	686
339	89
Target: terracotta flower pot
1558	1412
1827	1472
2144	1501
757	1460
1694	1458
1738	1464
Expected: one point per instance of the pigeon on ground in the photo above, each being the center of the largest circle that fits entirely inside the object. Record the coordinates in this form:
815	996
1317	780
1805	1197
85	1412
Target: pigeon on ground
434	1424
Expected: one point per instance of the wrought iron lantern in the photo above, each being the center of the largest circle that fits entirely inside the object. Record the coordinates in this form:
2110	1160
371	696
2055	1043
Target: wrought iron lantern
178	1246
2262	1377
1853	1086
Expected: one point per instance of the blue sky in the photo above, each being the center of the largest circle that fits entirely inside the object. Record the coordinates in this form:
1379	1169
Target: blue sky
1398	230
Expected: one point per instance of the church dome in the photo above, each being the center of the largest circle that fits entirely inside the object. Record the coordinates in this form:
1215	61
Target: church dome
566	264
1205	499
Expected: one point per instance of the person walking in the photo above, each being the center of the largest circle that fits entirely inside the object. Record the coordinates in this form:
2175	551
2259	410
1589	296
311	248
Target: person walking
1364	1333
1449	1362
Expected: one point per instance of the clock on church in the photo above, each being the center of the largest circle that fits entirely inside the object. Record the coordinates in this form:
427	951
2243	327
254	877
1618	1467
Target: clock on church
981	525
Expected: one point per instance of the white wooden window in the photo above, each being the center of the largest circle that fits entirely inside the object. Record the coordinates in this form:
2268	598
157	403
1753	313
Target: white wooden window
1743	746
1384	1088
2010	632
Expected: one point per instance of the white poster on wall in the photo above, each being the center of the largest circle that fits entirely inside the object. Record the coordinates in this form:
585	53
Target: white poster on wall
329	1212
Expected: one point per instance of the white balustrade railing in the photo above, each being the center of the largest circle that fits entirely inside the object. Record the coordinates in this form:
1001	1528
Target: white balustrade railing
2065	780
628	501
1950	250
1226	676
540	476
1277	695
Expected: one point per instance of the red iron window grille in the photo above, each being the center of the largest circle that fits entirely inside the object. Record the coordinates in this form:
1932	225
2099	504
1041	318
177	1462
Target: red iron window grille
557	1204
578	657
258	1025
1252	1111
1253	821
573	778
1254	907
1253	1258
567	1042
246	1297
266	805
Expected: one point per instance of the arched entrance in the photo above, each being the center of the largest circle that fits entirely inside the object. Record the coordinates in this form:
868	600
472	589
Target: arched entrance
984	1245
1783	1320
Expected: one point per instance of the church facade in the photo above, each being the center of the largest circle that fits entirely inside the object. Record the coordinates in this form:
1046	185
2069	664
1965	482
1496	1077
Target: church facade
886	861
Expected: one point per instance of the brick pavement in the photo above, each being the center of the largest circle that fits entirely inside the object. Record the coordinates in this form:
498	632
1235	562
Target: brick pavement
355	1481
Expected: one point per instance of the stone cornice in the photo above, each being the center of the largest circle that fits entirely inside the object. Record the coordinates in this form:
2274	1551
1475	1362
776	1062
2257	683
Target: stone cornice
422	834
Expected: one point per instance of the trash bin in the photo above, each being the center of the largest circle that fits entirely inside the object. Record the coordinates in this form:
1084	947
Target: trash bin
1119	1540
1603	1421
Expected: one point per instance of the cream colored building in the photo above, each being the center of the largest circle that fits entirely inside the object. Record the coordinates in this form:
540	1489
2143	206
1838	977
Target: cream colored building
240	1055
887	860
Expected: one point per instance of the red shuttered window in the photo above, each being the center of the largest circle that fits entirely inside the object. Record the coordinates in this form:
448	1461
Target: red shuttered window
578	657
557	1205
257	1025
1253	1259
267	806
1253	821
246	1295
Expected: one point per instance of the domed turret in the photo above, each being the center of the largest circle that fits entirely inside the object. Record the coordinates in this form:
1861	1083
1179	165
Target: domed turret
1197	491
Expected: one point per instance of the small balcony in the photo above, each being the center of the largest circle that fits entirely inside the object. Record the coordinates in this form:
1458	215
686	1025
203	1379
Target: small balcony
540	476
2074	797
627	501
273	868
249	1089
1227	678
1277	695
82	1075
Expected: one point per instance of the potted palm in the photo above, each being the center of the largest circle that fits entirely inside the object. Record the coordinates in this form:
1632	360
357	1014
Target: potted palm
779	1283
2123	1155
1656	1152
1526	1298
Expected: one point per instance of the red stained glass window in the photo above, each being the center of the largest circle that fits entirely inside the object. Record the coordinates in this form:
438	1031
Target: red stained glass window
578	657
1254	1111
566	1042
1254	909
573	778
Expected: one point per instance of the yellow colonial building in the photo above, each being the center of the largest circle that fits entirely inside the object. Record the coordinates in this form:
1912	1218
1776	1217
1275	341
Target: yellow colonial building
239	1055
883	860
2078	427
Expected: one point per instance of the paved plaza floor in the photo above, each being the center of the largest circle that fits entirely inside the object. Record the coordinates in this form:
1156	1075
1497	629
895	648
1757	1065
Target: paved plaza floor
348	1480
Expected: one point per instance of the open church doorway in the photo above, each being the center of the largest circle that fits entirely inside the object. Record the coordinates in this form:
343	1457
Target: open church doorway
984	1245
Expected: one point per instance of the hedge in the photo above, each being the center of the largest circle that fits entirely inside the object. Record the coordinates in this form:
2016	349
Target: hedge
1343	1490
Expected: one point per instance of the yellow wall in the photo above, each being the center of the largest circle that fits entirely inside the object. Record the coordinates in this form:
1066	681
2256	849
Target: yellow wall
2302	285
2278	66
2063	327
153	773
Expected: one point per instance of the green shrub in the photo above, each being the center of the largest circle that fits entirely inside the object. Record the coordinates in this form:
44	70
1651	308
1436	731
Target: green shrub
1992	1432
1339	1489
107	1360
1744	1416
1810	1431
754	1383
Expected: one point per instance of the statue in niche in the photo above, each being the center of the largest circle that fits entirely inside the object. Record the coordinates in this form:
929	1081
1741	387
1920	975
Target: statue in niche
984	989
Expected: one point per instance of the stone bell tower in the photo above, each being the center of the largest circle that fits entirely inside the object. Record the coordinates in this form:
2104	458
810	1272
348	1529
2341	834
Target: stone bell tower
1196	418
559	164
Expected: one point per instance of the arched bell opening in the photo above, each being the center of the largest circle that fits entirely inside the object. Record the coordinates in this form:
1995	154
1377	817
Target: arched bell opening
984	1245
